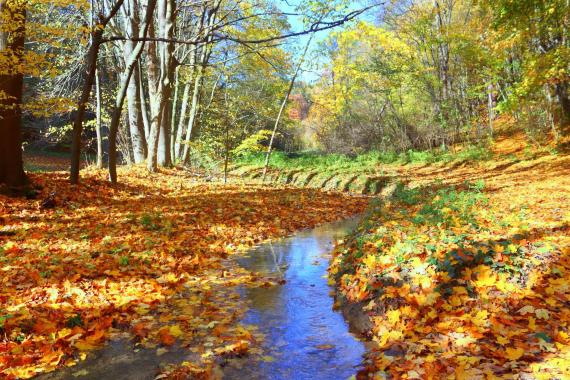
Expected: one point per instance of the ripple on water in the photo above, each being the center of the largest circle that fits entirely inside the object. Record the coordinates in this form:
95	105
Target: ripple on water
304	336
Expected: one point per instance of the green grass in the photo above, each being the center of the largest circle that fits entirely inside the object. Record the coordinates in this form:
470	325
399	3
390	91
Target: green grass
323	162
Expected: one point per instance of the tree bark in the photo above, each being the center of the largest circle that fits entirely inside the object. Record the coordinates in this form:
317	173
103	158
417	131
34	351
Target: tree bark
98	122
564	100
11	88
88	79
166	25
173	113
204	58
130	65
136	121
143	101
182	121
194	109
155	100
160	71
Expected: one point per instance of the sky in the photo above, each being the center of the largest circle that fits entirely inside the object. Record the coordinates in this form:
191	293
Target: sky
311	72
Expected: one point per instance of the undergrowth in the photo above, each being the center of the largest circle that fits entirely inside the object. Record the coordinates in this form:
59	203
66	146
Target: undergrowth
327	162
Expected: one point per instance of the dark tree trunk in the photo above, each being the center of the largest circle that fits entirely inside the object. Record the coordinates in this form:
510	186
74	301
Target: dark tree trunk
88	80
11	84
564	100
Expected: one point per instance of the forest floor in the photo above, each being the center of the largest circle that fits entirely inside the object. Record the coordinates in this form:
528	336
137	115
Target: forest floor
464	272
461	267
145	259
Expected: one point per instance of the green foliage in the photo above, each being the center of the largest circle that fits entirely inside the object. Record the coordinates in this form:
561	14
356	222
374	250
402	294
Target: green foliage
74	321
449	204
123	261
369	160
255	143
205	155
151	222
3	319
406	195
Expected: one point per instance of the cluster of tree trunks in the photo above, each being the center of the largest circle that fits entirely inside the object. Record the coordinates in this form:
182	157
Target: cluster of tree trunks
159	135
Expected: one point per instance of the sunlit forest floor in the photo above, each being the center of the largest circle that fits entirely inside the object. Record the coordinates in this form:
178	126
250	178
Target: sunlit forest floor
462	266
465	271
84	264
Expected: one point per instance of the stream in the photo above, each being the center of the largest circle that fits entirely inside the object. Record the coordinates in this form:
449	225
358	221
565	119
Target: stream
304	337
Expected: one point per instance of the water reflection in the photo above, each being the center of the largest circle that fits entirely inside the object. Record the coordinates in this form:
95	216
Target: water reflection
305	338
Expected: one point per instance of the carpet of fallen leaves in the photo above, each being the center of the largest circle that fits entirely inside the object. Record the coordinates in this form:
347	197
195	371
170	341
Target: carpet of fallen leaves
145	259
467	274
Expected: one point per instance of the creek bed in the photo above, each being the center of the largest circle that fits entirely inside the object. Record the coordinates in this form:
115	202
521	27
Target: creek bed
304	337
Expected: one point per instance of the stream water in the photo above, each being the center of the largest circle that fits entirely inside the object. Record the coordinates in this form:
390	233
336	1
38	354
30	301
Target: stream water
304	337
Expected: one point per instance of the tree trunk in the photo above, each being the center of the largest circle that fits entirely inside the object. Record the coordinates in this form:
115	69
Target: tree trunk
193	112
182	121
11	85
130	65
166	24
174	113
564	100
204	58
143	102
98	123
88	79
136	123
155	100
161	69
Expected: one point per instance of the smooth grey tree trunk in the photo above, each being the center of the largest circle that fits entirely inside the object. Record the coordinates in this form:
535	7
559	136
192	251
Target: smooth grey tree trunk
136	123
130	64
174	113
143	101
182	120
98	122
161	68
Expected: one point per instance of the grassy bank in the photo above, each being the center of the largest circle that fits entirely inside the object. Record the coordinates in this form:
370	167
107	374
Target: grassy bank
376	173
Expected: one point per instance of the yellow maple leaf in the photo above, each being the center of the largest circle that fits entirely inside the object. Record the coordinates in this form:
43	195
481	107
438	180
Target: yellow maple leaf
532	324
485	276
502	340
393	316
481	318
175	331
464	341
370	261
514	353
85	345
499	248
